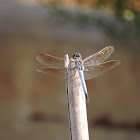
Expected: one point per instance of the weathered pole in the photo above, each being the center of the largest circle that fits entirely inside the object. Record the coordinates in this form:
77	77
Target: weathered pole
76	103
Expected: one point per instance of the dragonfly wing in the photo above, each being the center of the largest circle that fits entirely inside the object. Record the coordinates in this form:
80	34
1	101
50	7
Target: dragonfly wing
96	70
98	57
50	61
50	70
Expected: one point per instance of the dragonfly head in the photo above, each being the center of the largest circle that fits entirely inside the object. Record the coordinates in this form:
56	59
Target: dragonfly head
77	55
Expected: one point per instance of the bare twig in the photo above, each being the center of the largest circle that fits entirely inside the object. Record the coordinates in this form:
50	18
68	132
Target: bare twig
76	103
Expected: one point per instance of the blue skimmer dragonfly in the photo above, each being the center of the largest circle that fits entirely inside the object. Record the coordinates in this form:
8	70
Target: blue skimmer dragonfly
91	67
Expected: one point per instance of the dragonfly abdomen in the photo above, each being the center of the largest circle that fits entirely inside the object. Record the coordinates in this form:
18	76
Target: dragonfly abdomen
81	74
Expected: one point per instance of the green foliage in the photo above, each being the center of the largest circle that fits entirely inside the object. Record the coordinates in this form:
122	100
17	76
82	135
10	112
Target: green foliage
117	25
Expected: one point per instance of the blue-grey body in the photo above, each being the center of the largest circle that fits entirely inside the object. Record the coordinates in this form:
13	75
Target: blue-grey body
81	74
80	67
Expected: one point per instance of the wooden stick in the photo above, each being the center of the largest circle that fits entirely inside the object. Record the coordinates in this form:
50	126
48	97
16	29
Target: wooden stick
76	103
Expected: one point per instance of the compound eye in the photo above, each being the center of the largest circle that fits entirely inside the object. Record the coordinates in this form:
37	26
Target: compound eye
74	56
78	55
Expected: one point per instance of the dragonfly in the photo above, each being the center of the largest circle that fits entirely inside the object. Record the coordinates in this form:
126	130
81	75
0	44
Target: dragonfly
88	68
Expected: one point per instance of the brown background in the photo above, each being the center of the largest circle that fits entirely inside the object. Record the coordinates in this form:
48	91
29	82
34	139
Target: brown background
34	105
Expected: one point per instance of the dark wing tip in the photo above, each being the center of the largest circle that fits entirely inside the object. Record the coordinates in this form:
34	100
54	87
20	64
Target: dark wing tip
38	57
117	62
39	70
111	64
108	48
41	58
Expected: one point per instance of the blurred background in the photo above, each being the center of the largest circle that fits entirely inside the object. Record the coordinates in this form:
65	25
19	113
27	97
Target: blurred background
34	105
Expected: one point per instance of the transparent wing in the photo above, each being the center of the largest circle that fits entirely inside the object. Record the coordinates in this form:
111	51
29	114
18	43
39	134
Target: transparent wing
49	70
98	57
98	69
50	61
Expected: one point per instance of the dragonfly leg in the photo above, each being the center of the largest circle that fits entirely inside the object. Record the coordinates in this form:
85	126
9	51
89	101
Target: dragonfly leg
72	75
72	61
72	68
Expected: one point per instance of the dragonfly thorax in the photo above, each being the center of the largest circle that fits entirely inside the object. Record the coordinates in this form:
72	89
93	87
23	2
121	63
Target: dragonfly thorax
79	64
